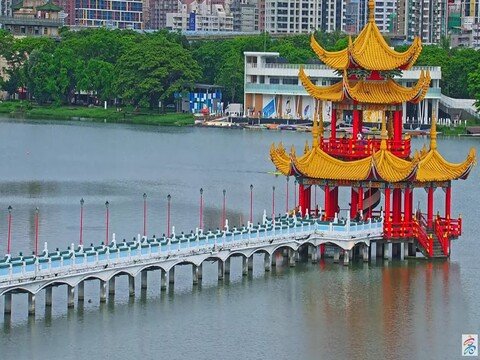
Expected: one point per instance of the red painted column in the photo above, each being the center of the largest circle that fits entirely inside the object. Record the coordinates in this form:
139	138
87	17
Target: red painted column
430	207
397	205
353	203
360	200
301	198
397	126
387	205
333	124
407	206
356	124
448	202
308	199
327	201
334	201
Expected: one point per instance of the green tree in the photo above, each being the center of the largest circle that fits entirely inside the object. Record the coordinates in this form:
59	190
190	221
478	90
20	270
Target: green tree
97	77
153	69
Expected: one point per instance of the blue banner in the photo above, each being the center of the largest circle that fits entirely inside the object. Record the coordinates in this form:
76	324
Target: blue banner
192	22
269	109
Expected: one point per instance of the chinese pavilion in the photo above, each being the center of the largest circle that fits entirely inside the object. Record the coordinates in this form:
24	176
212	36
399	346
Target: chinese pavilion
375	167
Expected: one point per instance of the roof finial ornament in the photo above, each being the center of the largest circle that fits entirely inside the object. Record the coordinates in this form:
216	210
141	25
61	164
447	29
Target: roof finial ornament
371	10
433	133
383	133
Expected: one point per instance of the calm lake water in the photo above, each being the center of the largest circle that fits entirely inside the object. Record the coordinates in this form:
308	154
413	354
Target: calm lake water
391	310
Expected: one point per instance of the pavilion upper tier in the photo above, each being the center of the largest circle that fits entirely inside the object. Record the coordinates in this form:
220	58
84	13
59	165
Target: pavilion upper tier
369	51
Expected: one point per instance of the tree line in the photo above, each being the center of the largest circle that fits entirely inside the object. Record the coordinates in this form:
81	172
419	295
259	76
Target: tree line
145	70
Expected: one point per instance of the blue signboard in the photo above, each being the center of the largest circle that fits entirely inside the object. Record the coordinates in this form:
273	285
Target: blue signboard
192	22
269	109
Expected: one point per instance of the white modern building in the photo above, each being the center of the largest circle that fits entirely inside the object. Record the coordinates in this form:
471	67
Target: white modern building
272	89
304	16
200	16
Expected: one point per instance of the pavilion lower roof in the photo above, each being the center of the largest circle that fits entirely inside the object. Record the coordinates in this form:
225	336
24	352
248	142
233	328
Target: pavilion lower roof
381	166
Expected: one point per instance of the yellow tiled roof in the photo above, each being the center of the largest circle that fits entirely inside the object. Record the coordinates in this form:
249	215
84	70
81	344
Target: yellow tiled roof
368	91
369	51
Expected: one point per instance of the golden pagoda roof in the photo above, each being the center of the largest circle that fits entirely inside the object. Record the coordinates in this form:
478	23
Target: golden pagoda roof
369	50
382	165
368	91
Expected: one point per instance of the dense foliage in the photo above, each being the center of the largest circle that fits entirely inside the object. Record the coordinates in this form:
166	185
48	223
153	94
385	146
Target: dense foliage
144	70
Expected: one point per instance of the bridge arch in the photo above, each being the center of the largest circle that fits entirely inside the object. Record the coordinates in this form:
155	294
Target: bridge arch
18	289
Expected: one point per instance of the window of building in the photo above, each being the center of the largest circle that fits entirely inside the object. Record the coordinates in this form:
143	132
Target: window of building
290	81
274	80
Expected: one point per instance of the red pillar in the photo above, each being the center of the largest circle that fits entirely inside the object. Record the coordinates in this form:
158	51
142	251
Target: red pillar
387	205
430	207
327	201
448	202
301	198
333	124
308	199
397	205
397	125
407	205
353	203
356	124
360	200
334	201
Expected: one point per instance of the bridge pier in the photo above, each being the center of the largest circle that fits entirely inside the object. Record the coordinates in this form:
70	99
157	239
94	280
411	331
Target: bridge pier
31	304
143	279
250	263
220	269
48	296
274	260
111	286
103	291
227	266
347	254
131	286
7	309
244	266
163	279
70	296
196	273
81	291
292	255
412	249
373	250
314	256
336	255
380	249
388	249
267	262
171	275
365	252
402	250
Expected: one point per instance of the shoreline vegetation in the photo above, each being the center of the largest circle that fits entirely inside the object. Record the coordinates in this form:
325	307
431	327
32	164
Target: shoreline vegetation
30	110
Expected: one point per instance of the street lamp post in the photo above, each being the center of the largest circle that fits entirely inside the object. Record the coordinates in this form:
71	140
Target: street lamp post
251	203
81	220
107	220
144	214
36	231
224	209
201	209
273	203
286	205
9	238
169	197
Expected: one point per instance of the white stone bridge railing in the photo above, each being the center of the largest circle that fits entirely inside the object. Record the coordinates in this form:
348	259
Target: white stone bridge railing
83	260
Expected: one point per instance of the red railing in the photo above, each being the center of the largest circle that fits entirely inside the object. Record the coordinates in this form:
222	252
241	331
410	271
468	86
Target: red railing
411	229
358	149
446	229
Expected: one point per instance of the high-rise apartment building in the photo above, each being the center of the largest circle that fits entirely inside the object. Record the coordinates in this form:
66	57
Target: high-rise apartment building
159	10
245	15
426	19
120	14
200	16
386	15
304	16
